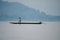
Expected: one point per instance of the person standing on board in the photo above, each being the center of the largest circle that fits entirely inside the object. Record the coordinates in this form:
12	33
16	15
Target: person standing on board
19	20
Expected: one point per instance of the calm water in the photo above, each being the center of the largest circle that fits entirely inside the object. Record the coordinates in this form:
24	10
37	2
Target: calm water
45	31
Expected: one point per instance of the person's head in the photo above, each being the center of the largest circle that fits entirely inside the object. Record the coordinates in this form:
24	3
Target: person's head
19	17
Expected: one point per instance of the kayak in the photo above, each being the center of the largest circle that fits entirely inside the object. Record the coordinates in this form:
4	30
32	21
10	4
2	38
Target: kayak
25	23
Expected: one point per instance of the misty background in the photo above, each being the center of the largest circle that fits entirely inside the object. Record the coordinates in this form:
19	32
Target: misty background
12	9
50	7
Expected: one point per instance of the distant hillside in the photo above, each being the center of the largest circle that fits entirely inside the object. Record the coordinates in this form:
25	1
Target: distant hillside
13	10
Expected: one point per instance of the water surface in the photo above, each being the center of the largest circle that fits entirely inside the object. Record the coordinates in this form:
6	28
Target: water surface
45	31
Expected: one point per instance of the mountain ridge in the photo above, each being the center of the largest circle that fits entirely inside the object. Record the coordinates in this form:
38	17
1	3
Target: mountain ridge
13	10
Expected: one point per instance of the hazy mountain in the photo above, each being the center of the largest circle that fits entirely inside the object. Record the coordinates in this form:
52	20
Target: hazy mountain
13	10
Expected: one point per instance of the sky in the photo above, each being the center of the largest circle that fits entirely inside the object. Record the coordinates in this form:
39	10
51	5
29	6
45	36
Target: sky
50	7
